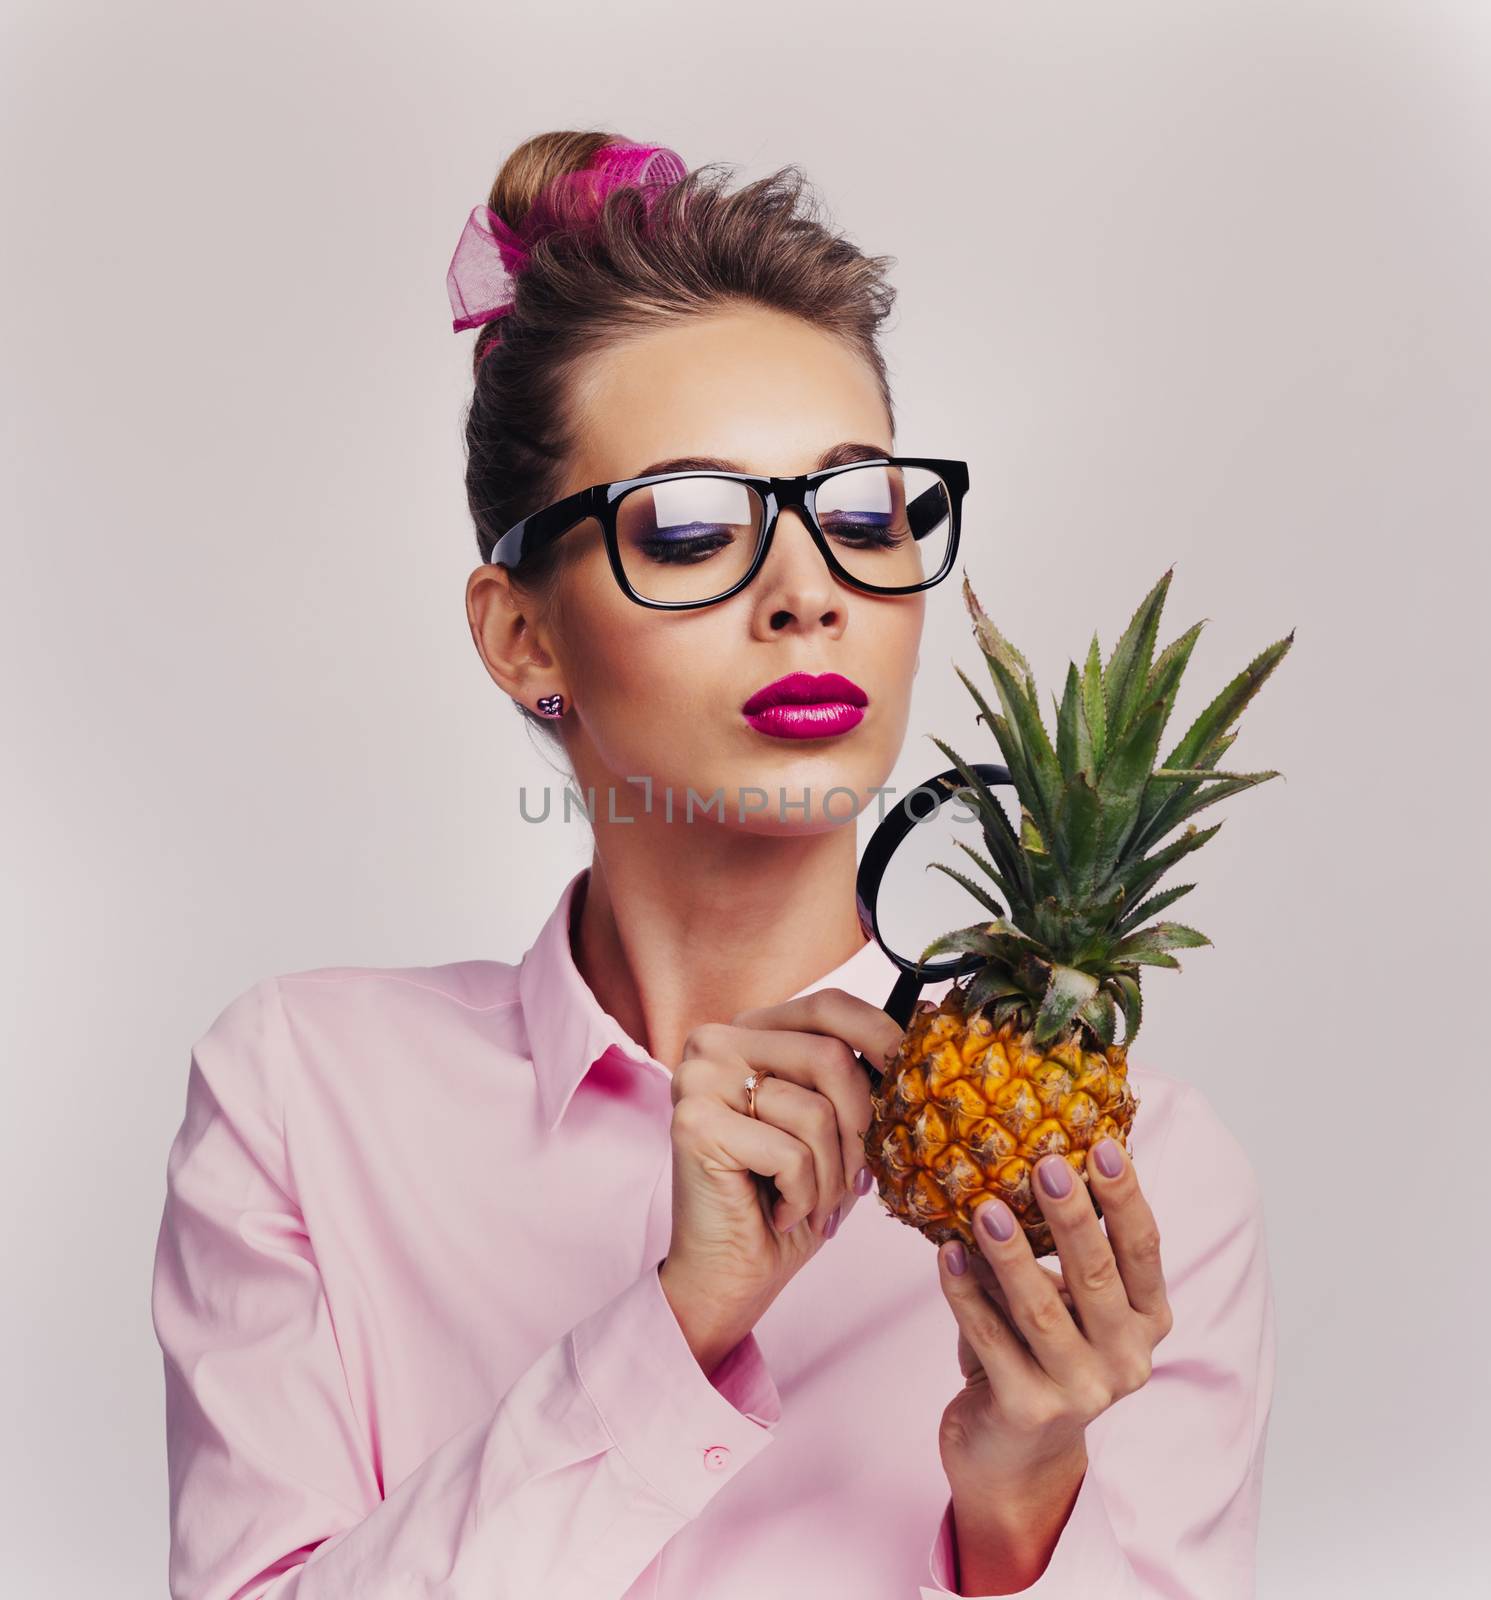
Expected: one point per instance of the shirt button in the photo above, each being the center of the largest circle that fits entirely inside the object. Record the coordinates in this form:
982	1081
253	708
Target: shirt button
717	1457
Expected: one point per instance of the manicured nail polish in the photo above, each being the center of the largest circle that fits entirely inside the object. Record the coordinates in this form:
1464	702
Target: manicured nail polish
1056	1177
957	1258
831	1227
1106	1153
997	1220
864	1181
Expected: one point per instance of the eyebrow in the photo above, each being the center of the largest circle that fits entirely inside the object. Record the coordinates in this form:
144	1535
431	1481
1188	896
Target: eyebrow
838	455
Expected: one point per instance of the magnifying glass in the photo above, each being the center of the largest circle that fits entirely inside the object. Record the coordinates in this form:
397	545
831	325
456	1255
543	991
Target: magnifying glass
904	909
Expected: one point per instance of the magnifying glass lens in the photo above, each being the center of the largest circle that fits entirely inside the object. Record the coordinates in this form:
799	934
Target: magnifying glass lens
919	901
920	878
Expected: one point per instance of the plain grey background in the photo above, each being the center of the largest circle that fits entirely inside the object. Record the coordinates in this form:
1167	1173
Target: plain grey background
1192	283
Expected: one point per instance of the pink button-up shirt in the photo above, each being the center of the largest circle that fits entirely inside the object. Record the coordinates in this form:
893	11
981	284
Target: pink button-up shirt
415	1342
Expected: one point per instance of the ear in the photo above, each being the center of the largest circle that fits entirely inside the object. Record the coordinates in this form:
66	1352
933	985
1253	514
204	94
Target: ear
505	631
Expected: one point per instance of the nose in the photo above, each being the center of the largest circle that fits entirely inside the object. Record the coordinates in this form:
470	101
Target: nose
794	587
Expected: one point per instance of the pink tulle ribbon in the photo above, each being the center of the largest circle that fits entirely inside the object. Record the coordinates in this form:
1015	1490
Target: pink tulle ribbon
489	255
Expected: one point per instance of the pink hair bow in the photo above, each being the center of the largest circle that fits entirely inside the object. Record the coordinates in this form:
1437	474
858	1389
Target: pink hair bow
489	255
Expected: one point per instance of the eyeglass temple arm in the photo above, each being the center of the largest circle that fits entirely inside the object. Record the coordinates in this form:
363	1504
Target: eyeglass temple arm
543	527
928	509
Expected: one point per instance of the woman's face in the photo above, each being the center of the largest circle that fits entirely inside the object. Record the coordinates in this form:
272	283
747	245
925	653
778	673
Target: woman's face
659	693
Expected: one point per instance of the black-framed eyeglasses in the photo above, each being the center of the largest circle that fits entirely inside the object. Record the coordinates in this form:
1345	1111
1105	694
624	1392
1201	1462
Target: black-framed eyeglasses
678	540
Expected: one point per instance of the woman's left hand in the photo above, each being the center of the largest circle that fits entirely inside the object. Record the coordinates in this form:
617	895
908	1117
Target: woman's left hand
1044	1352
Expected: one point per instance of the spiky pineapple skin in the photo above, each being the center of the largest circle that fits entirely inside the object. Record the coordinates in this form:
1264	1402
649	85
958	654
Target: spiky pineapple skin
966	1109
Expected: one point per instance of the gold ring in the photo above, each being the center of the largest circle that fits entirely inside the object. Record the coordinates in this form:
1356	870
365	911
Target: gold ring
751	1083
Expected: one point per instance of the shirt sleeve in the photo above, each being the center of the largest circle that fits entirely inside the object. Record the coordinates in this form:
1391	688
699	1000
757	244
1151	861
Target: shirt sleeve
606	1445
1170	1502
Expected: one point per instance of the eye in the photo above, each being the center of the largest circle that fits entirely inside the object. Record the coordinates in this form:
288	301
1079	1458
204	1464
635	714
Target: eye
867	530
686	548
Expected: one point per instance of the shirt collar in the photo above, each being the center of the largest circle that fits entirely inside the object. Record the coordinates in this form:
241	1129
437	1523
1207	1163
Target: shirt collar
568	1031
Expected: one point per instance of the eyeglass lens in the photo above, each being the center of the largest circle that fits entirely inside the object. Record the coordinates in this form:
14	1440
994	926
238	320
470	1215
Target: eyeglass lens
694	538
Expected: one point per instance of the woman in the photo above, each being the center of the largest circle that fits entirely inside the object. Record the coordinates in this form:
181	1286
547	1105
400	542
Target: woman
494	1279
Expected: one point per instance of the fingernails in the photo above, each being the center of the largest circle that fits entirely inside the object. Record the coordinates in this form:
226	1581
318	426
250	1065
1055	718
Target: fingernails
864	1181
1108	1157
831	1227
1056	1176
957	1258
996	1219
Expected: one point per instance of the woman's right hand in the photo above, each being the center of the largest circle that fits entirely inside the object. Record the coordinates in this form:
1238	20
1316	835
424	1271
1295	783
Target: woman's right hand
734	1246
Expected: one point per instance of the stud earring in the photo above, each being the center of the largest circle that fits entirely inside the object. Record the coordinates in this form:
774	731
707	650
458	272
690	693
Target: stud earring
552	705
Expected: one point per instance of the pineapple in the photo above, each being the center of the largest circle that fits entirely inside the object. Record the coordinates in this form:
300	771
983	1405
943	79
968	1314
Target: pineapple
1020	1059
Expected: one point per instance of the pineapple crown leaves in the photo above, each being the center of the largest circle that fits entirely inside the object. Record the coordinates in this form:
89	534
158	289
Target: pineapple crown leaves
1095	806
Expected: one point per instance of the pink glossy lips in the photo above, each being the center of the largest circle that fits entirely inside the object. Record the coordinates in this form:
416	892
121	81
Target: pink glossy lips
804	705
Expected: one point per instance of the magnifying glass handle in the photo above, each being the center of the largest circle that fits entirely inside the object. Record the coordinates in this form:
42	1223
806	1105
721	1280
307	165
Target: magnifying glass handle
899	1008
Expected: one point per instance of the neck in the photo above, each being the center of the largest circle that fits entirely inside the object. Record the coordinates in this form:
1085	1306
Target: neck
679	924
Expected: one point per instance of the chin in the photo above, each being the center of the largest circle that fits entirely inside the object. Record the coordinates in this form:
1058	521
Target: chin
770	776
838	785
771	824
